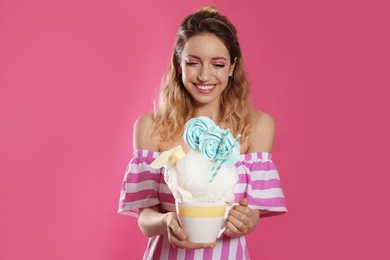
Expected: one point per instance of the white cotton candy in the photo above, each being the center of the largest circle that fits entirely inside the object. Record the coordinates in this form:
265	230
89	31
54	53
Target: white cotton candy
189	180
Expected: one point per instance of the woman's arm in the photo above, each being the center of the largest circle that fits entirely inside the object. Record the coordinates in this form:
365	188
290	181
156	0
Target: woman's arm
262	136
150	220
243	220
143	137
153	223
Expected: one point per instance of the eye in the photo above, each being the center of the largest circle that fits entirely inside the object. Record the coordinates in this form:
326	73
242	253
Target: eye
191	63
219	65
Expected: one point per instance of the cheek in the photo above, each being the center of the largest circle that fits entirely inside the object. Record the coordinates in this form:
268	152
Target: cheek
189	73
223	75
186	77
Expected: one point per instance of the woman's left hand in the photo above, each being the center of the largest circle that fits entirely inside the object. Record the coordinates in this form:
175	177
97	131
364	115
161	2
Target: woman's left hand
242	220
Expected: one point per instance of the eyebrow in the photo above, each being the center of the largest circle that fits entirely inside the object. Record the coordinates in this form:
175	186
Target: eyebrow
215	58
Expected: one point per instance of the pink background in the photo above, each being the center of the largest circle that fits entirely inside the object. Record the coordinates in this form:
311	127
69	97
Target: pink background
74	75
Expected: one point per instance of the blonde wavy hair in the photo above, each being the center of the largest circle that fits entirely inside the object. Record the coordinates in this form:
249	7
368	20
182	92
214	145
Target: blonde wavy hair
176	106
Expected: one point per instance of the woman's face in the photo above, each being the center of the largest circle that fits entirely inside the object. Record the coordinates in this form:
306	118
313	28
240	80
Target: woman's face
205	68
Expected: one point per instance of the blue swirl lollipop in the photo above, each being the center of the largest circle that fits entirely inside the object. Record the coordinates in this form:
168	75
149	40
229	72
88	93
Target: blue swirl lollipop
219	146
194	128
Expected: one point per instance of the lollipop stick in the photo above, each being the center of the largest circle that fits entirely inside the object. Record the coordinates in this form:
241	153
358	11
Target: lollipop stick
217	167
221	145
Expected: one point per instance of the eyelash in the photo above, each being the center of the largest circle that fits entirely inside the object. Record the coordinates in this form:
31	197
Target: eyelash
195	63
191	63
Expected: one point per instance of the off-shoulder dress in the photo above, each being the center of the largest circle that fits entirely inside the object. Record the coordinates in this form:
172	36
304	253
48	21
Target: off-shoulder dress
143	186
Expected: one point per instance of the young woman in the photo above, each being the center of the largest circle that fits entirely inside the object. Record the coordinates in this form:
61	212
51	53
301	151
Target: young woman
206	78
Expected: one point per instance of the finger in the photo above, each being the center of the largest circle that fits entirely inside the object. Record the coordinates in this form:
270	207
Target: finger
239	219
242	207
177	231
173	239
243	202
189	245
231	227
231	230
240	215
228	232
179	243
238	225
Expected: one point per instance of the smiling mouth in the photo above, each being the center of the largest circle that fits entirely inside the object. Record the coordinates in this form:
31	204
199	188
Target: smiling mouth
205	87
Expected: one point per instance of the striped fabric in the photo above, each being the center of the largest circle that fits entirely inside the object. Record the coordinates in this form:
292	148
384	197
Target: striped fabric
258	182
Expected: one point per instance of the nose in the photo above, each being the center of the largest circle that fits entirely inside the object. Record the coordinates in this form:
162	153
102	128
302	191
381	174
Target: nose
204	74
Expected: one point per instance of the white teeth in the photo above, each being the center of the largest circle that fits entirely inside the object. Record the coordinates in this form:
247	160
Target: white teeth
205	87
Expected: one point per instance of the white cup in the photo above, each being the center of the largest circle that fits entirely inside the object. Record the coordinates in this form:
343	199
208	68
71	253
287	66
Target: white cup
203	222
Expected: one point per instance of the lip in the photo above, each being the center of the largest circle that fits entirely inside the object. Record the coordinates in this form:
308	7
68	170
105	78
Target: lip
205	88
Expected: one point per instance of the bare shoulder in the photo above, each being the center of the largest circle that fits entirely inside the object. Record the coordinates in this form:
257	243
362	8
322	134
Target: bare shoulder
143	137
262	136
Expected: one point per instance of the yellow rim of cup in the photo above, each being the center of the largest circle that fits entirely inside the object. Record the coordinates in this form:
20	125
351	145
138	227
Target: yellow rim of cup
201	212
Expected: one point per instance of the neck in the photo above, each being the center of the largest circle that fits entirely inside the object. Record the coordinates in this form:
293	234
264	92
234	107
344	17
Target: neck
213	112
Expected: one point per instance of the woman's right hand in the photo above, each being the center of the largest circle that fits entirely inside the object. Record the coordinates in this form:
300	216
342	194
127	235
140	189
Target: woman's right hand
177	236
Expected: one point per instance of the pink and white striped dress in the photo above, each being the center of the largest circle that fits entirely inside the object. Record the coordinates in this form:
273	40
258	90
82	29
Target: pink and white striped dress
258	182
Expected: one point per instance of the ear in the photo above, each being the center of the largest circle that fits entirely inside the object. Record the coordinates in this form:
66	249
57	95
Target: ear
231	70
